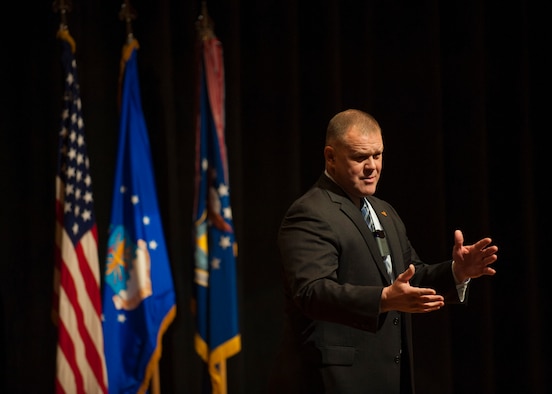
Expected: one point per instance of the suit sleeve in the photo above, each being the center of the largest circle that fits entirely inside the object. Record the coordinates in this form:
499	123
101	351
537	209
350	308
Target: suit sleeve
315	263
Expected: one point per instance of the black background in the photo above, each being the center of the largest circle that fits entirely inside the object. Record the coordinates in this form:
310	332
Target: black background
460	88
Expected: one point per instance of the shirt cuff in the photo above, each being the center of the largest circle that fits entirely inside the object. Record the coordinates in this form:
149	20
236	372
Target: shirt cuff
460	286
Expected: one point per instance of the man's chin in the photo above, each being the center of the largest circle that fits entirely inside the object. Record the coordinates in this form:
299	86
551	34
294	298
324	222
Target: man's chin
369	191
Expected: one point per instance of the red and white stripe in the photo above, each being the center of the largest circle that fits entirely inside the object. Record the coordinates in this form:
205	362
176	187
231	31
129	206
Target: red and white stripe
81	364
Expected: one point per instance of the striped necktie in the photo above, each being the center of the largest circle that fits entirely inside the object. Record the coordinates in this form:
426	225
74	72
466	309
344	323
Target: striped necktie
379	235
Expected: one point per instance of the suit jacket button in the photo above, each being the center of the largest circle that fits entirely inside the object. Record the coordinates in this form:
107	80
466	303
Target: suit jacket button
397	359
396	321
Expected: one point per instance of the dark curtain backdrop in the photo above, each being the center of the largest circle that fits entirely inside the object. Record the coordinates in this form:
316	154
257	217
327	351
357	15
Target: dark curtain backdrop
462	92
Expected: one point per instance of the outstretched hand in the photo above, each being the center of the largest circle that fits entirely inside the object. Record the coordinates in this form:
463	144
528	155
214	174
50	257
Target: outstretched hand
400	296
472	261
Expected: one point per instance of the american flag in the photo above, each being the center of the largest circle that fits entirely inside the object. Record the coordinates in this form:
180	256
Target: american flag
80	363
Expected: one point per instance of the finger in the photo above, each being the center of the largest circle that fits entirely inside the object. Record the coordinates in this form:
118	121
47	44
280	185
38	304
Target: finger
490	271
432	306
428	294
489	259
458	238
437	304
490	250
482	243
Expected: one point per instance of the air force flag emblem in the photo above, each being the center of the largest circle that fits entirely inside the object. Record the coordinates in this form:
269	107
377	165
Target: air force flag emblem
128	270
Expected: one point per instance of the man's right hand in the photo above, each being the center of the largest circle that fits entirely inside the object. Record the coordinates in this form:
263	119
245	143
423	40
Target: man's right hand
400	296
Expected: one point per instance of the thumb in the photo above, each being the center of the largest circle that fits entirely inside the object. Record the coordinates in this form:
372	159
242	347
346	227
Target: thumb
408	274
458	239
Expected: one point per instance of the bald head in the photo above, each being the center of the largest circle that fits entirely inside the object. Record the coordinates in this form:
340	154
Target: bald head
343	121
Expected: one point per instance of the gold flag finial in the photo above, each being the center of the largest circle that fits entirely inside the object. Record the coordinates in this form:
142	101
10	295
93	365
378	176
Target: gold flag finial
204	23
128	14
63	7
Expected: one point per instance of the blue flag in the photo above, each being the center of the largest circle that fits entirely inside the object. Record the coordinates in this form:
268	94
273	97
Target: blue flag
218	336
138	296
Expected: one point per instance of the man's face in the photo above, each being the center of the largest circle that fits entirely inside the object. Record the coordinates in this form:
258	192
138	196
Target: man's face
355	163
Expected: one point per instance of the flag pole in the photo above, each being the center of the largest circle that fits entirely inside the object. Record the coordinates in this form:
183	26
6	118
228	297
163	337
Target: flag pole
204	23
63	7
128	14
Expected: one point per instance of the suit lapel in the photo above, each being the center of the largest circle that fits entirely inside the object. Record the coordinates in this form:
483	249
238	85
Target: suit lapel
338	196
385	219
355	215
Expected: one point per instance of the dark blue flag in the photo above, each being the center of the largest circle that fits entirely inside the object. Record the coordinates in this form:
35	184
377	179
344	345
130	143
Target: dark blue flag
138	297
218	336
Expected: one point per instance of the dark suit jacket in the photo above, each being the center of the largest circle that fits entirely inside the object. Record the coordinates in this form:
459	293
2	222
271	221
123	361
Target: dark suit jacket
335	339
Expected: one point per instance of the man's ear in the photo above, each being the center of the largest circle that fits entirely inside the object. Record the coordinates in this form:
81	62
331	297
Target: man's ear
329	154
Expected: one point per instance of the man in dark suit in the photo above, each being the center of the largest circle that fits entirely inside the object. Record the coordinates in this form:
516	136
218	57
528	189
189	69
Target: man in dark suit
352	278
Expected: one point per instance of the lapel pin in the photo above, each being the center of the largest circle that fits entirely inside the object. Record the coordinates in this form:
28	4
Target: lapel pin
384	213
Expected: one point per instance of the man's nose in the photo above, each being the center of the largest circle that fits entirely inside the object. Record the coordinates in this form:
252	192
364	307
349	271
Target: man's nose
369	164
